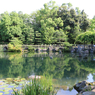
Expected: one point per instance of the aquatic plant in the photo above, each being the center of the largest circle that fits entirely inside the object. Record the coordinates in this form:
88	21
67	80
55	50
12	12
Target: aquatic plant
41	86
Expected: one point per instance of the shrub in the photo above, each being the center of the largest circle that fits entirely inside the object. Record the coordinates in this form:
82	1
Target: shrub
30	48
67	46
15	42
15	45
12	48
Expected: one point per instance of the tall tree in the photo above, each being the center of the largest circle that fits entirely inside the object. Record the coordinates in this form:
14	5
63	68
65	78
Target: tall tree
10	26
46	22
74	21
84	22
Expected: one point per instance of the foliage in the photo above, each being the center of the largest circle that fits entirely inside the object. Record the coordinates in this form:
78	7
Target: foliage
67	46
12	48
10	26
41	86
15	42
74	21
59	37
30	49
43	25
88	36
92	25
15	45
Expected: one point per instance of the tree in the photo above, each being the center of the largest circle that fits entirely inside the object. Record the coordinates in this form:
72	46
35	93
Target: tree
37	38
46	22
74	21
92	25
77	10
85	23
59	37
48	27
11	26
86	37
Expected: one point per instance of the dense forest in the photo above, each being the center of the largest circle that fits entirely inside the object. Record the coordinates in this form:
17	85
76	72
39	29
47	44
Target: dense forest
49	25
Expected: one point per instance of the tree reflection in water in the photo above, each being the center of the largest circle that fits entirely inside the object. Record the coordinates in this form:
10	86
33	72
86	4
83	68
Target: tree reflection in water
67	68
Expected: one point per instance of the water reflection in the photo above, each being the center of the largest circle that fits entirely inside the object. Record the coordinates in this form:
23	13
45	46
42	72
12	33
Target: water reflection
62	92
67	68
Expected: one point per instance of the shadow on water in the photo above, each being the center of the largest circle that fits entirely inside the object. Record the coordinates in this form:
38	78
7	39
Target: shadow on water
66	69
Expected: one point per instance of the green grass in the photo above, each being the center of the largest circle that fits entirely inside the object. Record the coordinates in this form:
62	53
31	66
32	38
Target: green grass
41	86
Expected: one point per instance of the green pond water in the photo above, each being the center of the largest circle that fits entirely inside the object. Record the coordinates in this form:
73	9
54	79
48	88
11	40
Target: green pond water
66	69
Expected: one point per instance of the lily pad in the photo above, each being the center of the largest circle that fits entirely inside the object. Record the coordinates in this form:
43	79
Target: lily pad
23	79
15	86
1	93
6	93
8	88
12	84
9	79
1	89
21	82
1	83
4	86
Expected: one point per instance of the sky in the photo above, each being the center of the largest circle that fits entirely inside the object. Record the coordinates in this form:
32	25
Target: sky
28	6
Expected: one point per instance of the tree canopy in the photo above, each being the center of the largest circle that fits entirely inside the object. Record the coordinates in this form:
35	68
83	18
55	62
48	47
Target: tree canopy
51	24
86	37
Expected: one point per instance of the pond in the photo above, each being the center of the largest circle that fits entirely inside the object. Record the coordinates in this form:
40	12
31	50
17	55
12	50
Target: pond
66	69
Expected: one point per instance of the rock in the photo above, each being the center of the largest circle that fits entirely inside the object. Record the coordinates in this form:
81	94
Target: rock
73	50
61	48
79	94
88	93
38	50
85	56
34	76
79	49
79	86
93	90
26	48
86	52
91	51
88	88
51	57
76	49
60	51
43	50
5	48
50	48
55	49
79	54
85	88
90	83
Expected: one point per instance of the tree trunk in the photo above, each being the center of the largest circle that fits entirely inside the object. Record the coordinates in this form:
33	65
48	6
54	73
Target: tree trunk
84	45
92	45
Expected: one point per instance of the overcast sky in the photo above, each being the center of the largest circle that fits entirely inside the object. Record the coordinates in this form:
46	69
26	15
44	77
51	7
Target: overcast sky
28	6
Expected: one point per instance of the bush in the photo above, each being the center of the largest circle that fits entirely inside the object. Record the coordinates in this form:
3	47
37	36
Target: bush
67	49
15	42
67	46
30	48
12	48
15	45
